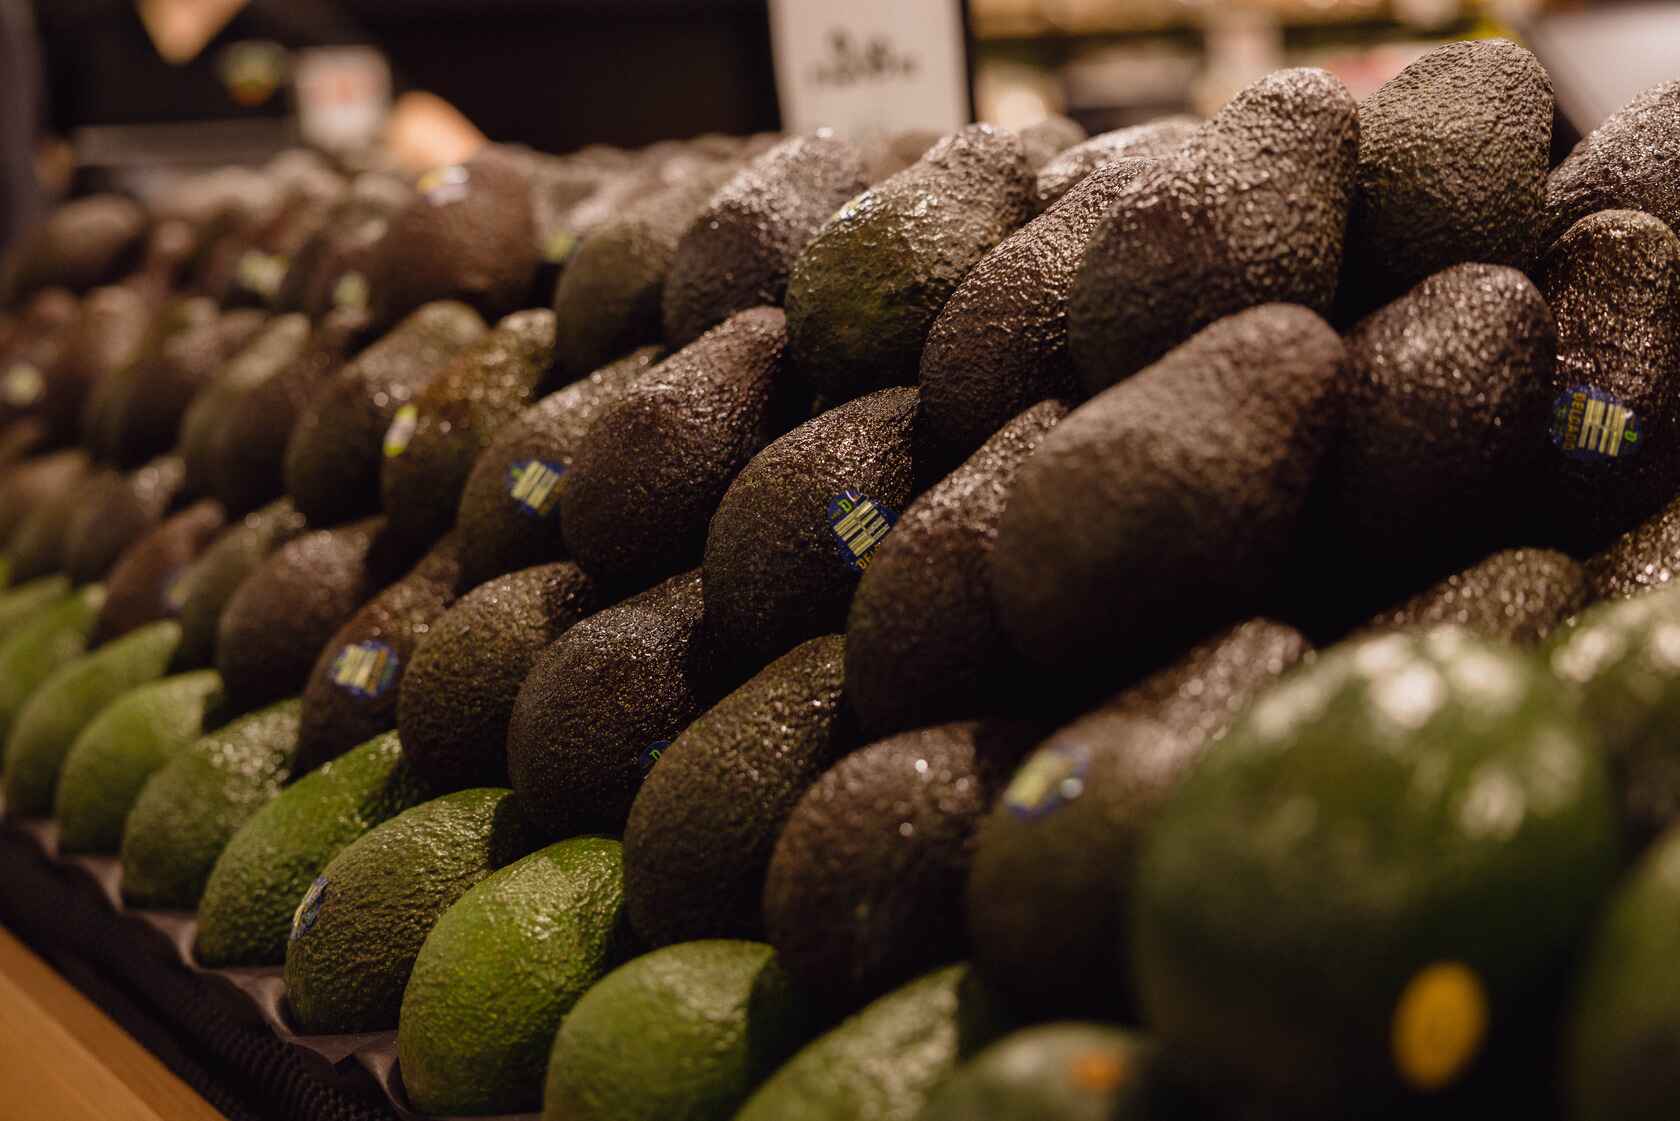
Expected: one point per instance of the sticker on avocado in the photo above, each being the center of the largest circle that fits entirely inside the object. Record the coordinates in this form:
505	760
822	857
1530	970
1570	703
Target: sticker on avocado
176	592
652	754
365	669
859	523
1588	423
534	486
309	909
22	386
1099	1071
351	292
444	185
401	431
1440	1023
558	248
262	273
1052	778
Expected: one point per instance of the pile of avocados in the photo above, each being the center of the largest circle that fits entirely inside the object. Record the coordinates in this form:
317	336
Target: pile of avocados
1175	624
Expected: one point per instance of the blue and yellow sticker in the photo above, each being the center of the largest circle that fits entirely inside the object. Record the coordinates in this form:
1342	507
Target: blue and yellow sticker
365	669
443	185
309	909
1053	777
534	486
403	424
1588	423
858	523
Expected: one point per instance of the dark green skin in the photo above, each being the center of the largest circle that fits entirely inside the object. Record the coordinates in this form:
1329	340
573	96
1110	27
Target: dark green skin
1251	210
336	447
1612	282
80	245
36	482
737	253
650	472
383	893
1453	154
1645	557
353	230
924	644
283	341
1624	1028
500	535
107	336
703	825
1122	533
253	890
107	399
273	628
137	591
775	575
483	389
886	1061
53	638
1053	1072
337	718
854	901
1626	163
1051	888
37	548
116	510
864	292
516	952
1160	137
187	812
1049	138
1406	800
207	586
1616	656
598	699
680	1034
479	248
460	687
1000	345
1516	596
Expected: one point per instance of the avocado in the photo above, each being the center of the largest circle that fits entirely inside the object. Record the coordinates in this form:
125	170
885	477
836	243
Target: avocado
66	702
1622	165
1251	210
510	507
885	1061
204	588
1124	537
351	695
705	821
890	153
1063	839
1515	595
281	342
43	480
250	898
499	972
430	453
684	1032
737	252
1052	1072
1453	154
272	630
22	603
460	687
468	234
38	547
55	637
327	273
31	378
116	510
188	810
656	461
865	290
80	245
1374	876
362	922
865	883
1046	139
108	335
1155	139
1624	1025
110	761
1613	282
1000	344
171	316
601	702
141	585
799	526
259	272
923	641
19	441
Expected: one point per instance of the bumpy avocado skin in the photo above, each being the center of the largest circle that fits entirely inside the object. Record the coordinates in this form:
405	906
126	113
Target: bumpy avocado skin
777	569
459	690
1453	154
600	703
1515	595
140	587
865	291
924	644
1613	281
1122	535
55	637
737	253
705	821
333	455
1627	163
204	589
656	462
1252	209
1048	138
1151	140
1071	851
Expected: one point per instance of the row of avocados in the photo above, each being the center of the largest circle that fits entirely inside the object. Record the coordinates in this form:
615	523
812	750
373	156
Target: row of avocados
1166	624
